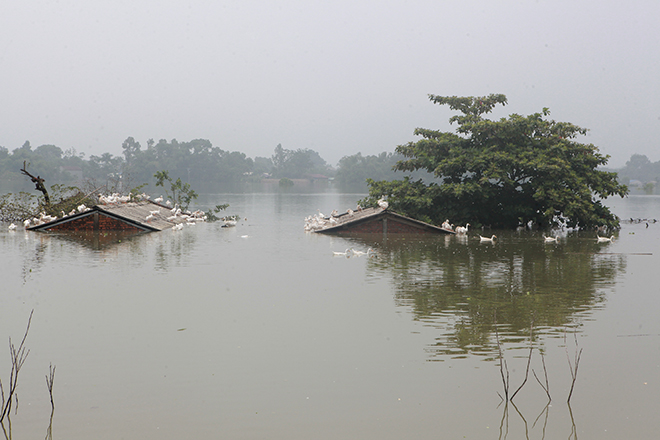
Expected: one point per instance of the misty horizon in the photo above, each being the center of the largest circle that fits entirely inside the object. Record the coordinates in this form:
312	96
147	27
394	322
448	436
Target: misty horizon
336	78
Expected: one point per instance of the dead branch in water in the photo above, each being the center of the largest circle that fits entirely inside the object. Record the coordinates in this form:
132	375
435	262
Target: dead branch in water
529	359
49	383
573	368
504	371
50	378
18	356
545	387
38	183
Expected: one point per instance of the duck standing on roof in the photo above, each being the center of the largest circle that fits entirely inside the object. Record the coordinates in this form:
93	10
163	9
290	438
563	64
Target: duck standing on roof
383	203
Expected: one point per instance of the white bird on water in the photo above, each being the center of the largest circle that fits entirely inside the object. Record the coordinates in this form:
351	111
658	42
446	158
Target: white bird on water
229	223
549	239
346	253
12	227
605	239
360	253
462	229
487	240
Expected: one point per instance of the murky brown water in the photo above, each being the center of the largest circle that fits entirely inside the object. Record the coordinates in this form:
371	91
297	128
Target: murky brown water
206	333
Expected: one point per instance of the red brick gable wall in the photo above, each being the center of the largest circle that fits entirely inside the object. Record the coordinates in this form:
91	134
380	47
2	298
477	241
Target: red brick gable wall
87	224
394	226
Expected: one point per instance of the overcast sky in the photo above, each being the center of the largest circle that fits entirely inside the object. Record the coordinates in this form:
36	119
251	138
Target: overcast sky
339	77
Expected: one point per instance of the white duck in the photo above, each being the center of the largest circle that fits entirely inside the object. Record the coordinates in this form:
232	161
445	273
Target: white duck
604	239
549	239
12	227
487	240
346	253
360	253
462	229
229	223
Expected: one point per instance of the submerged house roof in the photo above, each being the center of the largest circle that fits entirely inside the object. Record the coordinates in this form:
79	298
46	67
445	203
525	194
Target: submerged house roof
379	220
130	216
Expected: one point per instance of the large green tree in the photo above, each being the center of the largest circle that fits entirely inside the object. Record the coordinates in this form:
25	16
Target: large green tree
503	173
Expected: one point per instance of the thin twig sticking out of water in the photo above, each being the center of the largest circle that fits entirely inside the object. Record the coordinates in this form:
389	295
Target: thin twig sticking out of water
529	359
545	387
573	368
504	371
49	383
18	356
50	378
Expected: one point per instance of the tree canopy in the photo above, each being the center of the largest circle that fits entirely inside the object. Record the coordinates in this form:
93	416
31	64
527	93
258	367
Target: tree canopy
503	173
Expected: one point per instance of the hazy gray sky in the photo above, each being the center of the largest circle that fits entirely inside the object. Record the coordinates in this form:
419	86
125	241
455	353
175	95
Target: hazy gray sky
339	77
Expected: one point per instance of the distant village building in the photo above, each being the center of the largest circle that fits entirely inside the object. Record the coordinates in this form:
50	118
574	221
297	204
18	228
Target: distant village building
310	181
317	177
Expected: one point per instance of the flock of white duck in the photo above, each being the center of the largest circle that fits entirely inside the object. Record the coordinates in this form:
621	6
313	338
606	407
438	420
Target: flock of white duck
321	221
45	218
312	223
463	230
175	214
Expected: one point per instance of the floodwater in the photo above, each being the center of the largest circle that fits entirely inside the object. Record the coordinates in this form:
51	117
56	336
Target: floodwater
259	332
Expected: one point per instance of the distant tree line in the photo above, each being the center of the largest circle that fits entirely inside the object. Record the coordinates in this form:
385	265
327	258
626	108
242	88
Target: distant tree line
197	162
640	172
209	168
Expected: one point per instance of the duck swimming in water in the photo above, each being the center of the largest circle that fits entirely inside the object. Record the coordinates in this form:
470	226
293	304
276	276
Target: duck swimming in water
487	240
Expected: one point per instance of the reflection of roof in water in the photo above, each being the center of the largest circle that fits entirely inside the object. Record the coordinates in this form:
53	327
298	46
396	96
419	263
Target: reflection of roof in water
351	221
97	240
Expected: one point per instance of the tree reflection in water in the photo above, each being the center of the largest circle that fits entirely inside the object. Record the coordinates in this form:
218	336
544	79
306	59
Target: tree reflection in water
467	289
